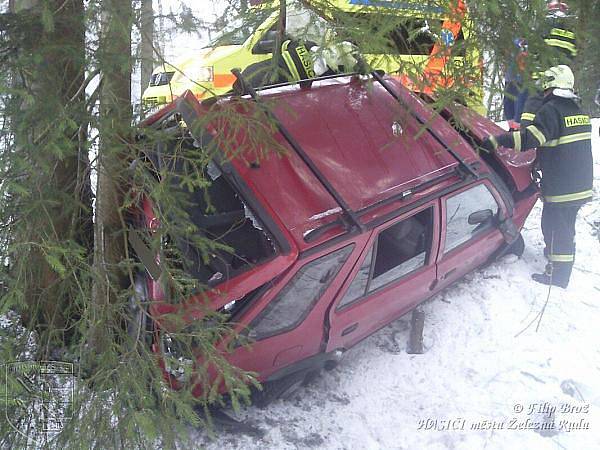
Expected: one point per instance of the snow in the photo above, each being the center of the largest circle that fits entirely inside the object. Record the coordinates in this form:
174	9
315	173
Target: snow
483	367
324	214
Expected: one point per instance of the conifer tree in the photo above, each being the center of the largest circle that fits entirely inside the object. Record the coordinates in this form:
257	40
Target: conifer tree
64	97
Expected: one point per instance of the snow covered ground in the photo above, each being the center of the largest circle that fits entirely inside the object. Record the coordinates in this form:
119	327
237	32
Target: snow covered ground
483	381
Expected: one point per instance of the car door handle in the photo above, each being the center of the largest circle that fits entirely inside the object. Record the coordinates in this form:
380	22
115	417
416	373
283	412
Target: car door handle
449	273
350	329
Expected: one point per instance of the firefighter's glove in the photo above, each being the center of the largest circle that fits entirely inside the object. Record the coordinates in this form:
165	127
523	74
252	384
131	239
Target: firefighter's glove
489	144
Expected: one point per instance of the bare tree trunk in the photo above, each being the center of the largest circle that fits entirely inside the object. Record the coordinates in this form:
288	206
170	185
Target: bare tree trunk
147	43
115	126
587	63
278	40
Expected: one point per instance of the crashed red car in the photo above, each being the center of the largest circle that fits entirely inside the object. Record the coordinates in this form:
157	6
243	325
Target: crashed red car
377	205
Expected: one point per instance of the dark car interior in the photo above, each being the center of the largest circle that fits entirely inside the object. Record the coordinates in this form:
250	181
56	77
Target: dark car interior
218	213
402	242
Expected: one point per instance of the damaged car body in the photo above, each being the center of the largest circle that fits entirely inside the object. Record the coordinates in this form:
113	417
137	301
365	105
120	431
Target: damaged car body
377	204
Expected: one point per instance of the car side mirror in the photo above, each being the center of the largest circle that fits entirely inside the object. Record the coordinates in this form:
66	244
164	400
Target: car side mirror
480	216
266	43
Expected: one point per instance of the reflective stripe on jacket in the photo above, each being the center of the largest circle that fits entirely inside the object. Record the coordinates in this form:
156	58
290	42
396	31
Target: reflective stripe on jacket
559	36
298	60
563	39
532	105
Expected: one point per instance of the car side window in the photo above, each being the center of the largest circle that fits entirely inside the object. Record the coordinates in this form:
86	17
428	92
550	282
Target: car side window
462	206
358	287
398	251
402	249
293	303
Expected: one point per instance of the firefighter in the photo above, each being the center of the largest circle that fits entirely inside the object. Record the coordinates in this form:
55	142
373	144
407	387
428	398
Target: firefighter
519	106
300	61
515	94
562	49
560	38
562	135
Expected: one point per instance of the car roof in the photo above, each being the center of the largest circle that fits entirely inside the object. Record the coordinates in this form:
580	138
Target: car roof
366	145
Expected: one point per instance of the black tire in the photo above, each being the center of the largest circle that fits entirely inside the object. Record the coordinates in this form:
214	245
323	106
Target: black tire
281	389
517	247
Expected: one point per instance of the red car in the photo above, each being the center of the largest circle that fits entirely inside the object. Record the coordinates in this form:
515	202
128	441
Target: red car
377	205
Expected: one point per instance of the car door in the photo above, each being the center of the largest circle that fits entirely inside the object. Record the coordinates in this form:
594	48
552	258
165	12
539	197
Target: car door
465	246
393	274
286	324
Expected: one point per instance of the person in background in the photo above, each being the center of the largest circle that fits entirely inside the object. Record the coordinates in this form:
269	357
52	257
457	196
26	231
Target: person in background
306	52
561	49
515	94
299	61
519	106
562	135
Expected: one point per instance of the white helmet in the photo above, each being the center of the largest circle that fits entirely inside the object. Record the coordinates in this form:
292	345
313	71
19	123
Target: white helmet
560	77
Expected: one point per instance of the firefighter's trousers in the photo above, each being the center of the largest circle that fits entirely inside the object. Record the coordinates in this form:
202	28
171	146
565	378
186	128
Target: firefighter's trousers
558	228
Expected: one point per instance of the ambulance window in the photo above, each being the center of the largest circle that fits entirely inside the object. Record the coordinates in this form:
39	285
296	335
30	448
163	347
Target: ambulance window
241	29
413	37
458	209
296	299
395	35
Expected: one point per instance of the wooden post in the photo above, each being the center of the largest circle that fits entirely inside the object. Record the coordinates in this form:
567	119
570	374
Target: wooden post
415	343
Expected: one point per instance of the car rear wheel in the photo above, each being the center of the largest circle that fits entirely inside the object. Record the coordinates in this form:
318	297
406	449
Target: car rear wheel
517	247
281	389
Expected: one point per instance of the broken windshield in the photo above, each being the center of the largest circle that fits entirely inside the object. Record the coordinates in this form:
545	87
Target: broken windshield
216	210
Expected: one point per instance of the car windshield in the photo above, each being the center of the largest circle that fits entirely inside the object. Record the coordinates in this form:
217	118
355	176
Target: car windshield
239	30
217	211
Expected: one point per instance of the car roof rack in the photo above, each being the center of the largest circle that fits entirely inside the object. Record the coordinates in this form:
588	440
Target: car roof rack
352	221
377	75
351	218
466	167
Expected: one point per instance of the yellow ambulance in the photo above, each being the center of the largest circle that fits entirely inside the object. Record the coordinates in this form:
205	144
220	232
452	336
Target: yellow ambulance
423	44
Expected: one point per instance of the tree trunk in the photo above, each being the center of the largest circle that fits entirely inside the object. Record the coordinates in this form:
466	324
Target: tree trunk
147	43
587	63
278	41
115	126
62	183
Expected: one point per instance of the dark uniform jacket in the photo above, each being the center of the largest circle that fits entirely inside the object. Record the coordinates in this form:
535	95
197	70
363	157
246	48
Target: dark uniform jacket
562	50
294	64
562	135
561	39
